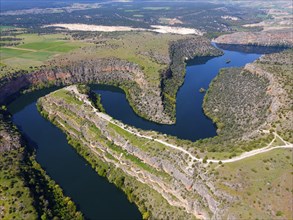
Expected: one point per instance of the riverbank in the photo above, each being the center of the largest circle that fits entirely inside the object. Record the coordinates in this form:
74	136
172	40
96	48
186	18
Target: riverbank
28	191
88	126
149	67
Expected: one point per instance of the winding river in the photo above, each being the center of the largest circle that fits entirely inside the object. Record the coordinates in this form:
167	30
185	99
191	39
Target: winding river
95	197
191	122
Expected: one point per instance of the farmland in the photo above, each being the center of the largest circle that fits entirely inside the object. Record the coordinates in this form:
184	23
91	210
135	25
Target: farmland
33	50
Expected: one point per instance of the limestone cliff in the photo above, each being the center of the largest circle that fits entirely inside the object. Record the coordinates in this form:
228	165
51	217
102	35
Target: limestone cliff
151	102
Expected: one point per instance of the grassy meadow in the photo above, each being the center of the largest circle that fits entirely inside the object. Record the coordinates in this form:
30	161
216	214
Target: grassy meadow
262	185
34	50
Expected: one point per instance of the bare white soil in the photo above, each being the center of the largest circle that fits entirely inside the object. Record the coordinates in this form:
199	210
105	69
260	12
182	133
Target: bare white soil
102	28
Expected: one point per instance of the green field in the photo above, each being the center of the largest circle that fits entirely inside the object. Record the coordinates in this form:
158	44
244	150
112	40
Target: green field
34	50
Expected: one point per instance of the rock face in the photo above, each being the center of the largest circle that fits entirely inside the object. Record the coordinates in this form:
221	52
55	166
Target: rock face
167	171
281	38
9	138
180	52
105	71
148	101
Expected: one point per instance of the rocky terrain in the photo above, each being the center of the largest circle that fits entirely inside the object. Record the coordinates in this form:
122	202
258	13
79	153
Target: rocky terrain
279	38
173	78
145	97
163	171
164	181
10	139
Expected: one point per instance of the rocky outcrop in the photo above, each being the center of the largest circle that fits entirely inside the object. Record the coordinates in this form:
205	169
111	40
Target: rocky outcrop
181	51
277	69
280	38
149	101
9	137
167	171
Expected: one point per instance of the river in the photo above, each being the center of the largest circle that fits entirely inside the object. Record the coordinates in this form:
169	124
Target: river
191	122
95	197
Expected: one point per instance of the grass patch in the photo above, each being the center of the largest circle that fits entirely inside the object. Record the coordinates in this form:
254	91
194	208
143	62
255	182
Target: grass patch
265	175
35	50
65	95
6	53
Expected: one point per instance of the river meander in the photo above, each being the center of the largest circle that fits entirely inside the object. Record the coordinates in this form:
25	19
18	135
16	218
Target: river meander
95	197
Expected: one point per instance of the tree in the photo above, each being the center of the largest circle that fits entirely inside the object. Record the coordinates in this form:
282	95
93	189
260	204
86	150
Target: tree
145	215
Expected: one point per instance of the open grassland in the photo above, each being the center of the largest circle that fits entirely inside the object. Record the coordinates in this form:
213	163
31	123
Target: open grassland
262	185
33	50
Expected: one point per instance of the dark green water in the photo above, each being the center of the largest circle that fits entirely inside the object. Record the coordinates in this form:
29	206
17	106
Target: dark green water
95	197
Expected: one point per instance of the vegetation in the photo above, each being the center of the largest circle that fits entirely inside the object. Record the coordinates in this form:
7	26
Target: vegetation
247	105
94	97
48	196
187	14
16	201
146	161
31	50
27	192
150	202
237	102
99	141
278	68
267	175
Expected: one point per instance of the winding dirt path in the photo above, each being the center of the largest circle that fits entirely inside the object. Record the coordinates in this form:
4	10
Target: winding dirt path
256	151
244	155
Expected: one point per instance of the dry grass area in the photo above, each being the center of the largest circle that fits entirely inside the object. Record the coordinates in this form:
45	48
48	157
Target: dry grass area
262	186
